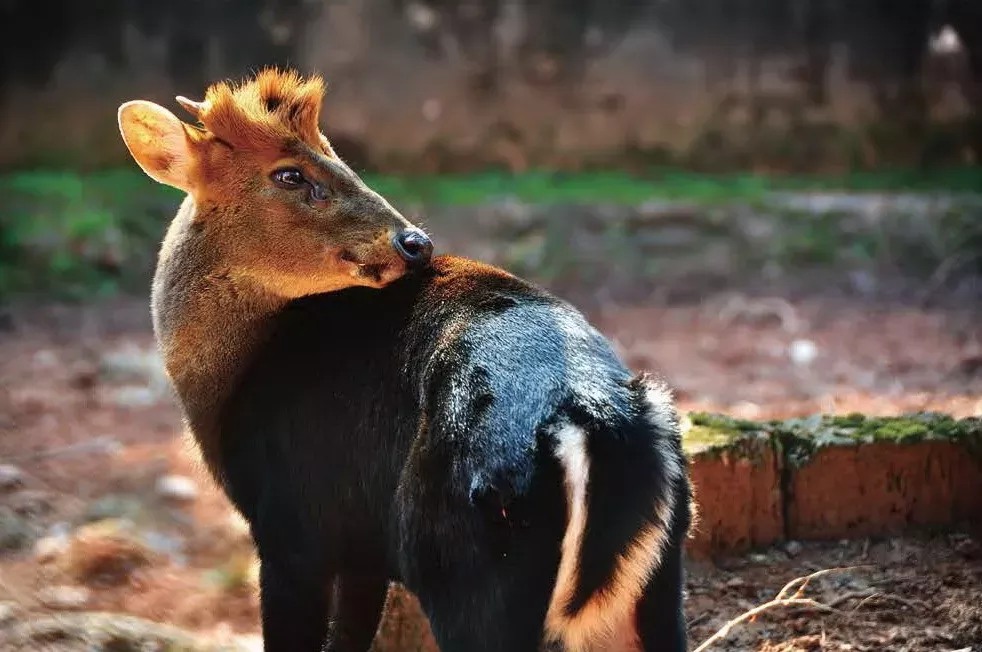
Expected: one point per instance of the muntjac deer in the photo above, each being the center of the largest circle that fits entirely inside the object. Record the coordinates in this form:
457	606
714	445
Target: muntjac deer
378	414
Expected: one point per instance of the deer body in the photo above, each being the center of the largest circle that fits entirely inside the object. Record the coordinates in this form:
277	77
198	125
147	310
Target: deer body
376	415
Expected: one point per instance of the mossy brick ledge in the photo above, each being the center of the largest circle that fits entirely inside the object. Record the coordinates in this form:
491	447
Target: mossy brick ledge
830	477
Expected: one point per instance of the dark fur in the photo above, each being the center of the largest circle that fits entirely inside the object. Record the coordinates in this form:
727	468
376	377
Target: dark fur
404	434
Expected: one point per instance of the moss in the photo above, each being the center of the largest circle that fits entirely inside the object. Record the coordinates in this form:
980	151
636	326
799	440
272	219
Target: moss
699	439
800	439
721	422
715	434
797	440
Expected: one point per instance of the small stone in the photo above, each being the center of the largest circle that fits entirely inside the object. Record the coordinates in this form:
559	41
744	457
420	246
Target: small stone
31	502
177	487
132	363
249	642
967	546
134	397
759	558
863	282
746	410
113	506
793	548
421	17
16	532
432	109
8	613
803	352
64	597
735	581
162	543
45	359
49	548
11	477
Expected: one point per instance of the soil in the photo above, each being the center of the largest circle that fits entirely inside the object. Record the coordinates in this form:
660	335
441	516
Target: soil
89	449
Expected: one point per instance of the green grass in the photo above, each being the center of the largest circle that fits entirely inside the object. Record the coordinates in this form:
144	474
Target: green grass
622	187
119	188
75	233
72	235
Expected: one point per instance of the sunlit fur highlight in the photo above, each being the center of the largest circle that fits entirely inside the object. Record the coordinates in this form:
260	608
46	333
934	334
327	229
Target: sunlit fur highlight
606	622
267	110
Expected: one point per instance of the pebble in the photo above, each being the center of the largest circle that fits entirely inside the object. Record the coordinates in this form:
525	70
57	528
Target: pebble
45	359
8	613
31	502
793	548
113	506
11	477
16	531
746	410
132	363
50	548
803	352
735	581
134	397
64	597
177	487
165	544
250	642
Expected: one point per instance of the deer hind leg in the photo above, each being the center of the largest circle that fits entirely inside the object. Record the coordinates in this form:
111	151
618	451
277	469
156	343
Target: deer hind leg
660	619
294	607
660	613
359	601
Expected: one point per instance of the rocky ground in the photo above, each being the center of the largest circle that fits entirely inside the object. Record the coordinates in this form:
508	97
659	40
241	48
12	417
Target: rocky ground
104	508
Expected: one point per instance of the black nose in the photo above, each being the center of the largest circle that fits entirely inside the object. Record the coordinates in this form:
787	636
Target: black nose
414	247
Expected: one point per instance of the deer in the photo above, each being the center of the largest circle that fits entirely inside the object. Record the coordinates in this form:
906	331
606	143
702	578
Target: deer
381	414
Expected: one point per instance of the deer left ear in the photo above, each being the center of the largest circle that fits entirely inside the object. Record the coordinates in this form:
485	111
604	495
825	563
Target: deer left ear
158	142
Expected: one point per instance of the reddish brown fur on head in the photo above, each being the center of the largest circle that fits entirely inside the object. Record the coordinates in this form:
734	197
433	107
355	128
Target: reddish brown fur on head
265	112
277	205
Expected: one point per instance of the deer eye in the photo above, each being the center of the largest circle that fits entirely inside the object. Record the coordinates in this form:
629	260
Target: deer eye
288	178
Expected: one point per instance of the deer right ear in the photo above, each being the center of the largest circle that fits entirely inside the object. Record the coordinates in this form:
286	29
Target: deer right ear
158	142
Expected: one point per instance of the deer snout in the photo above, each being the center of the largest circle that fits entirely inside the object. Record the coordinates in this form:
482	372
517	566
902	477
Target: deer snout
414	247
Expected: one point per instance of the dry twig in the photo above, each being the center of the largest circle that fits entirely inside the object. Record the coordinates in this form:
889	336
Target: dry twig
756	611
796	585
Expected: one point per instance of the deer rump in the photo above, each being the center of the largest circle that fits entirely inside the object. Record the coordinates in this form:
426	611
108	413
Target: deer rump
472	437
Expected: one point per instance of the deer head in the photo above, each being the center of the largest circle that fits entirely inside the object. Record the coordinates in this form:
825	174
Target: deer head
271	197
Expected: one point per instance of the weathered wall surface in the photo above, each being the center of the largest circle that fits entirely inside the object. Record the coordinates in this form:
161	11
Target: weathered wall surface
438	85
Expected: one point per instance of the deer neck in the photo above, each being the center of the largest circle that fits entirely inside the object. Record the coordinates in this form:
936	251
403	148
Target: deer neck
208	324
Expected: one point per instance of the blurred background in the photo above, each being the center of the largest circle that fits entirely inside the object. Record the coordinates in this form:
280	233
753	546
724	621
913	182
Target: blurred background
777	204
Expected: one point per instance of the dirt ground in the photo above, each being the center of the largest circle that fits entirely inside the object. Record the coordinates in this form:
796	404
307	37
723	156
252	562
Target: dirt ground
86	420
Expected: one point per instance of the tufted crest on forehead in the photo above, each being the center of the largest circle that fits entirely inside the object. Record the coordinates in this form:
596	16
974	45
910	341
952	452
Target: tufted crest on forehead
266	111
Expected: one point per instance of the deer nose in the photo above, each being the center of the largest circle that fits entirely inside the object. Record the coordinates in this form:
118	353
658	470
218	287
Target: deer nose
413	246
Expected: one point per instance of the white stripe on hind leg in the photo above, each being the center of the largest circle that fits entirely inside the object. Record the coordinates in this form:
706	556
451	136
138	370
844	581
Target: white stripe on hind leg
606	622
572	455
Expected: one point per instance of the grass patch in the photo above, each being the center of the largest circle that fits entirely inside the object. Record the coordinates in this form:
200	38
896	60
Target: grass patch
74	235
664	184
77	235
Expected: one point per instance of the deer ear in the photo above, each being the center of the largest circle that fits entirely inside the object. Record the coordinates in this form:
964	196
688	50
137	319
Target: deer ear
158	141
